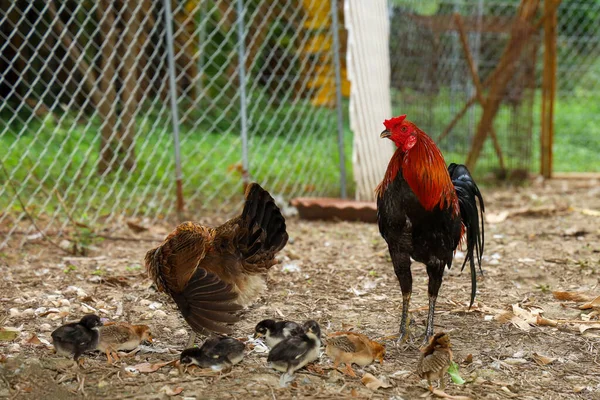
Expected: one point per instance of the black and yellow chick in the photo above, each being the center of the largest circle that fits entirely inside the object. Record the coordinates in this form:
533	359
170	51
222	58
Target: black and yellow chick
295	352
218	353
276	331
76	338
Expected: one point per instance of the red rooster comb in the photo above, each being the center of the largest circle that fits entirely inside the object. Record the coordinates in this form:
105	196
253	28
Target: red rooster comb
393	122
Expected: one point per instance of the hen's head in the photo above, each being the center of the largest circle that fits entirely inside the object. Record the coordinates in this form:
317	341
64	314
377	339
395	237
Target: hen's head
400	131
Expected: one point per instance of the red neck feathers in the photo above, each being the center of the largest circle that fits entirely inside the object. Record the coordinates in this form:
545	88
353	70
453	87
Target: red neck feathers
424	169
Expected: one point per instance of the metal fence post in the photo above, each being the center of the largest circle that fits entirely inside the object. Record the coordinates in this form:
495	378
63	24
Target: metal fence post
338	96
243	103
202	47
173	94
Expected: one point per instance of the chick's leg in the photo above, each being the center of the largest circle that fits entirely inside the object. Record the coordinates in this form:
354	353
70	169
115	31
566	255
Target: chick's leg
349	371
401	261
436	274
286	378
109	359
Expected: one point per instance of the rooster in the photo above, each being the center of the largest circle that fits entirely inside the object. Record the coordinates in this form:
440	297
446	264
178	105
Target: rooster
424	211
212	272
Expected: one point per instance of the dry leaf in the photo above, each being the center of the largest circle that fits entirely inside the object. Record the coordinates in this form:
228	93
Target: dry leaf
171	391
592	304
7	335
444	395
147	367
373	383
136	228
542	321
542	360
571	296
316	369
583	328
520	323
520	317
541	211
491	218
33	340
354	392
468	359
239	168
116	281
587	211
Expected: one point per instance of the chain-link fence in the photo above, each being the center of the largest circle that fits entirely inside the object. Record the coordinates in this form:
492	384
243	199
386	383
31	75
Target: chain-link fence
117	109
131	108
577	115
446	56
432	80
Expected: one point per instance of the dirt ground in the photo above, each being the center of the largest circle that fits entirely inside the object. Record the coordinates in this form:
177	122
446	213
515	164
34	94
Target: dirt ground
523	341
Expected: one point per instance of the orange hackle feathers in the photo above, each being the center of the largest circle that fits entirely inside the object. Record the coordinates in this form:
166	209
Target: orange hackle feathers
422	165
425	171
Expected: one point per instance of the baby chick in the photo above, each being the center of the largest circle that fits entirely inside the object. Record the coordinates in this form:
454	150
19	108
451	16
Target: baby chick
217	353
274	332
295	352
76	338
121	336
352	347
435	360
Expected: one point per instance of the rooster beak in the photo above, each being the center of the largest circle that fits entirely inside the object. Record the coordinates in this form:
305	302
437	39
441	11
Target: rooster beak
385	134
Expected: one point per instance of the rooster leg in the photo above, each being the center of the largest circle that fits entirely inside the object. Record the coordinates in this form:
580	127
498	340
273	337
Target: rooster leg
401	261
436	274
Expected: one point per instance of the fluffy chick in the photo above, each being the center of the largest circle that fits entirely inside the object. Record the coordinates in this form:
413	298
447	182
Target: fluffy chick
435	360
295	352
121	337
353	348
217	353
276	331
76	338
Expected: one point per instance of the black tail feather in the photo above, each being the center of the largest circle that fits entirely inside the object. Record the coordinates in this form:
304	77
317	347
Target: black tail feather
468	193
264	221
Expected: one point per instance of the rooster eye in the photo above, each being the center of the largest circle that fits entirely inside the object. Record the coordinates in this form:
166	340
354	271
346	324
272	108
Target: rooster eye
403	129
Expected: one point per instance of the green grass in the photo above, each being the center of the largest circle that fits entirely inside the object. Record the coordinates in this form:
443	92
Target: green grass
295	156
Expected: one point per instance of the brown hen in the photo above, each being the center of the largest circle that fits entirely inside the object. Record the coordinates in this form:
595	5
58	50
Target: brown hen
212	272
435	360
